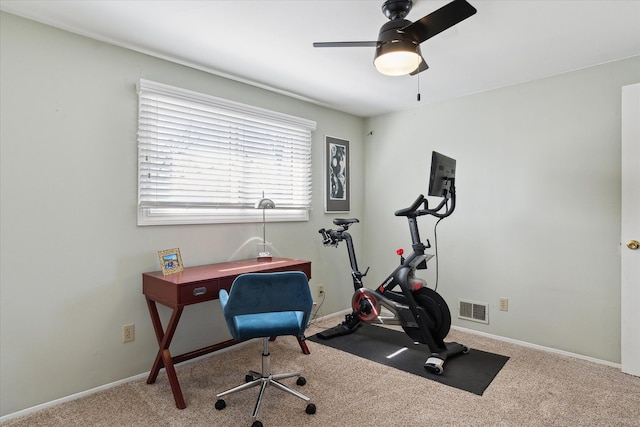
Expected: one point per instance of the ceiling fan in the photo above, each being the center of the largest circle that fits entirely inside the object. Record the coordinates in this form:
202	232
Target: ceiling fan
398	45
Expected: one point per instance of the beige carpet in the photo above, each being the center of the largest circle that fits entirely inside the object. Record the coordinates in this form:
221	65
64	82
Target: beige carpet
535	388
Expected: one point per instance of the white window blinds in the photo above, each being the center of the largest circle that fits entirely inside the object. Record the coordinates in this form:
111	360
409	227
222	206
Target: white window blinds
197	151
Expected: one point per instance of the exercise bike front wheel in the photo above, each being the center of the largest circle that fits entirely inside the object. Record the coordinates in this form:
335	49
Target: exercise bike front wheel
437	310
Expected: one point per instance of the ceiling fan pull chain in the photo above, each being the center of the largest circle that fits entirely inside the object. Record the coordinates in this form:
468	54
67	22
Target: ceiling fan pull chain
418	97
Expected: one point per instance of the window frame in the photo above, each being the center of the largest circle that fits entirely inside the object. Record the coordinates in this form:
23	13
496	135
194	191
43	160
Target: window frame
155	214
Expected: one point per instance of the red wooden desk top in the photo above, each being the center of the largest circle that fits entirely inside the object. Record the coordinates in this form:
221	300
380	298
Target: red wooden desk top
217	271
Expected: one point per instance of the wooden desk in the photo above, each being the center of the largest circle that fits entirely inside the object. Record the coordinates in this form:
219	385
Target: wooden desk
194	285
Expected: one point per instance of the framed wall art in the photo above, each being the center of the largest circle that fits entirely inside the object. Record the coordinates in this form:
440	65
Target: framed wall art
337	193
170	261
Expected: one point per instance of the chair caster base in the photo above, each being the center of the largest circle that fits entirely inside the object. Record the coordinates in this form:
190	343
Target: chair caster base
301	381
220	404
311	409
256	424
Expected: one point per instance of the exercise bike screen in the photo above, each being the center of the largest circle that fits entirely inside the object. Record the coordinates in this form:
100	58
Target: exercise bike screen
443	170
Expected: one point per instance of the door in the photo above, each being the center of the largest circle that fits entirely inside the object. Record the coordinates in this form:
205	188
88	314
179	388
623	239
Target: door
630	265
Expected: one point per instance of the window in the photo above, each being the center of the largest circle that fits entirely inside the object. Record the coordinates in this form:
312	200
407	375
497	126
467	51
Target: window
203	159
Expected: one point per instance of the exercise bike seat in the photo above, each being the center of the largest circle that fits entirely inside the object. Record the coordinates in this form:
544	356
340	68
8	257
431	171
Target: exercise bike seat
345	221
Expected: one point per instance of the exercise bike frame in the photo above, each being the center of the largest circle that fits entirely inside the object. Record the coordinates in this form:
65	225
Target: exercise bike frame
403	305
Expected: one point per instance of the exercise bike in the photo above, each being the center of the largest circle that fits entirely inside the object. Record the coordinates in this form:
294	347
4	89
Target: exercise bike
421	311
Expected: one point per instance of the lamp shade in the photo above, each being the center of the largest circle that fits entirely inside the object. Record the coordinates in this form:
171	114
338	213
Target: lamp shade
397	53
397	58
265	204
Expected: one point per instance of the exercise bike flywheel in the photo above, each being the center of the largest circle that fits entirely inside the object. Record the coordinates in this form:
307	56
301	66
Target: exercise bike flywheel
365	303
438	313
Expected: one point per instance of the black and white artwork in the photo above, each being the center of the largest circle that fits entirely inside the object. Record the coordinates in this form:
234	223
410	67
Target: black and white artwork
337	197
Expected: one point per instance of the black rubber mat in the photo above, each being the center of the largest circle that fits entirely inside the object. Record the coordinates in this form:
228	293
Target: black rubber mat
472	372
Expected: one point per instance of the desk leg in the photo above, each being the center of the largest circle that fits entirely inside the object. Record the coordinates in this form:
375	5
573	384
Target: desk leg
163	358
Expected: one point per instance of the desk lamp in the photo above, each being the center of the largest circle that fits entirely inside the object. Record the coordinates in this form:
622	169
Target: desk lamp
263	204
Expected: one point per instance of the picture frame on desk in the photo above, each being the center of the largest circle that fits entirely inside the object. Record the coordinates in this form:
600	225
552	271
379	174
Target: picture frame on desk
170	261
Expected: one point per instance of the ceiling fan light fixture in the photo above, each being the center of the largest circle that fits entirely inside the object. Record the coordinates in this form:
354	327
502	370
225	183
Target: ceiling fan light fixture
397	58
398	43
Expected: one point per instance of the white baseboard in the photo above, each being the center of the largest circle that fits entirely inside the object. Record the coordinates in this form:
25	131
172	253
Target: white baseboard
513	341
81	394
537	347
75	396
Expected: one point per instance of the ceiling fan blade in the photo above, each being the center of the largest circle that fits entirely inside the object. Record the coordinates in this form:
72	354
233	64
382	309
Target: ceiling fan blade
438	21
346	44
422	67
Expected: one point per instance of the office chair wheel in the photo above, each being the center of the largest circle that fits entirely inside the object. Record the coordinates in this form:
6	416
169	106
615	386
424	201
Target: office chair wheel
248	378
301	381
256	424
221	404
311	409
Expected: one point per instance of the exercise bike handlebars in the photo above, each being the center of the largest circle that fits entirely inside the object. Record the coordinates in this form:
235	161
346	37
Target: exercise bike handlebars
413	211
333	237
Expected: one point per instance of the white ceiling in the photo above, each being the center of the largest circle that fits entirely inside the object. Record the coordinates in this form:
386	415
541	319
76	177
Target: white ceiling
269	43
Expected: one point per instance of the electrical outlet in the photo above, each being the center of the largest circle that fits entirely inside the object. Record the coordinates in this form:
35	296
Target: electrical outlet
129	332
320	290
503	303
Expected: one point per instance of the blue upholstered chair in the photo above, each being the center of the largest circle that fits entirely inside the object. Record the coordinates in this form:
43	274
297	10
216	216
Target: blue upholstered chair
265	305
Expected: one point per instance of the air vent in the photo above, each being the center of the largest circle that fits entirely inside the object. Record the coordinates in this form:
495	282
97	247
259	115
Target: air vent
474	311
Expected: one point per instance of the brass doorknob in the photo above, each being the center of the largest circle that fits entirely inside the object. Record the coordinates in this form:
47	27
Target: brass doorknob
633	244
